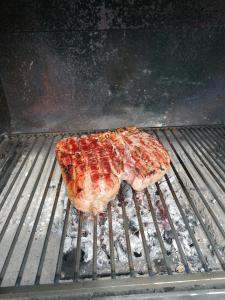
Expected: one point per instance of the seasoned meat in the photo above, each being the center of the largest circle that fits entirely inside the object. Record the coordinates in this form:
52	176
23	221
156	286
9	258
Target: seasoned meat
149	160
94	165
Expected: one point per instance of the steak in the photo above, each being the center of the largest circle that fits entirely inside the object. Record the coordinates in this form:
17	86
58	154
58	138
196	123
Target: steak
94	165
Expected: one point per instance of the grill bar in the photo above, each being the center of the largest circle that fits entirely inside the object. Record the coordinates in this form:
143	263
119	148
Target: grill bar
11	152
220	134
181	251
60	256
211	149
111	243
209	156
126	230
20	193
146	250
22	267
78	250
44	249
16	176
196	187
207	183
10	160
204	227
29	153
8	171
211	240
201	256
167	264
94	268
204	161
5	160
216	140
24	216
215	133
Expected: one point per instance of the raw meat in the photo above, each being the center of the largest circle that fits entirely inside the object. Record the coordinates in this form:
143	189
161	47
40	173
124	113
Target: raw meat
94	165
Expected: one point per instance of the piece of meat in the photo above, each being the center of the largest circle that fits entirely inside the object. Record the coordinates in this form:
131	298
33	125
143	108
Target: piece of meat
149	159
90	171
94	165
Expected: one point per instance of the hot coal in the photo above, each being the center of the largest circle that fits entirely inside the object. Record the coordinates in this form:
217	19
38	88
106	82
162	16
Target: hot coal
120	247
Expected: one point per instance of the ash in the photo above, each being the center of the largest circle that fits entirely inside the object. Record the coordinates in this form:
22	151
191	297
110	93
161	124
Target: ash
120	248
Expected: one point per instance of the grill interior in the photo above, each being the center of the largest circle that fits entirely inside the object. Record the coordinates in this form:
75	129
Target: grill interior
178	224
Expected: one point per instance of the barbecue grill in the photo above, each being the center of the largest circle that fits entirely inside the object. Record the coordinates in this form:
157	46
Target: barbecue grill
158	66
36	215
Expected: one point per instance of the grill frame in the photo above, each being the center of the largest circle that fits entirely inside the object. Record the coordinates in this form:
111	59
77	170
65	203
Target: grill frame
181	281
111	287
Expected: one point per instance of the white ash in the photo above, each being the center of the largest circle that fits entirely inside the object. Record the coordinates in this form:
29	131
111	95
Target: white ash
120	247
87	246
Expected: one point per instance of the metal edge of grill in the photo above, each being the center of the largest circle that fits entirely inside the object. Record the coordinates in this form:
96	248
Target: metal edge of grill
207	144
55	133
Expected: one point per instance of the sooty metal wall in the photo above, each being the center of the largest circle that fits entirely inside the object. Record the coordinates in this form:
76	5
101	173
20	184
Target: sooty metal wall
68	65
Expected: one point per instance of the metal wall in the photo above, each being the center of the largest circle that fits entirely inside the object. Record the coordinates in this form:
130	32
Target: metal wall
70	65
4	112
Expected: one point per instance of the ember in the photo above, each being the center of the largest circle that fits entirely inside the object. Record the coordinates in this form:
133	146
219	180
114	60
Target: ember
120	244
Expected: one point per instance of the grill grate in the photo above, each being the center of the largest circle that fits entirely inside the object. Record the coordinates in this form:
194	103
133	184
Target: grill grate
35	214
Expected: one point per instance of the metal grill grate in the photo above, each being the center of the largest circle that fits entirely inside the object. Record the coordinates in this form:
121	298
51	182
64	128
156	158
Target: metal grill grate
35	215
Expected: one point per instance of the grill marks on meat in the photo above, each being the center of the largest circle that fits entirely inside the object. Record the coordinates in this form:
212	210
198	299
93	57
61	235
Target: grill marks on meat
94	165
149	159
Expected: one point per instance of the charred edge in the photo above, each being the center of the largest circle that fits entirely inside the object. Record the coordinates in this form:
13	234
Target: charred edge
161	168
67	172
152	172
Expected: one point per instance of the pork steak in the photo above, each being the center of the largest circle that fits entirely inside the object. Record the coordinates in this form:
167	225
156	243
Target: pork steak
94	165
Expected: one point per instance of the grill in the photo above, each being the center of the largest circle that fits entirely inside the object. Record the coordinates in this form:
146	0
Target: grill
182	216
